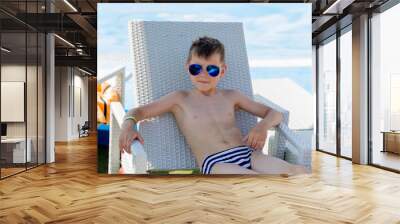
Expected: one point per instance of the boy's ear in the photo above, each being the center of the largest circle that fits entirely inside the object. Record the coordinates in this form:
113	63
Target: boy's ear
223	70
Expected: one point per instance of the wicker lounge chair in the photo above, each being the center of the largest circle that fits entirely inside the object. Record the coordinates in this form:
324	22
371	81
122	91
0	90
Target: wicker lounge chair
159	51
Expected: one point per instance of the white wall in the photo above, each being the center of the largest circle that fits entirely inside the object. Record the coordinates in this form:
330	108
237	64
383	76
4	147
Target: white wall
70	83
33	127
290	96
61	103
79	117
14	73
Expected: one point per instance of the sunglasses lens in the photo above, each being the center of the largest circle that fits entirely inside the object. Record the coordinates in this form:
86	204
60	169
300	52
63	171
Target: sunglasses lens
213	70
195	69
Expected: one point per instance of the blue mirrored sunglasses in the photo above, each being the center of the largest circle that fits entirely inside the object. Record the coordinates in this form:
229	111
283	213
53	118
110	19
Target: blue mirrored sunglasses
212	70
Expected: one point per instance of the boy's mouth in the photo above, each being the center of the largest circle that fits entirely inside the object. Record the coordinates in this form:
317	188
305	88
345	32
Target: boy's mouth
203	82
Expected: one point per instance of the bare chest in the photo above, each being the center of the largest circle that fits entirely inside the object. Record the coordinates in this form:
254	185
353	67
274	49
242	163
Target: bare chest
207	112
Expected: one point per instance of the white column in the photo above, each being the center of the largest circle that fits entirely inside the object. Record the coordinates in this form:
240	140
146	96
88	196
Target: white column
50	92
360	90
50	109
314	91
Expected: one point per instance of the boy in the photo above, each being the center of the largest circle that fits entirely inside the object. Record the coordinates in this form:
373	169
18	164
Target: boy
205	116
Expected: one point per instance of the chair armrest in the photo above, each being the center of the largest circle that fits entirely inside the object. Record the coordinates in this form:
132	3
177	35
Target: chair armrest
291	137
280	141
116	118
282	128
301	150
136	161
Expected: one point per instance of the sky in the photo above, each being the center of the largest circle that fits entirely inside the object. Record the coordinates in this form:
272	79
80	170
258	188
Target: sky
278	36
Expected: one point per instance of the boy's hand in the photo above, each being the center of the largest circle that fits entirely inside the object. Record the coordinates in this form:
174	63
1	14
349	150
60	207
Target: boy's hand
127	136
256	137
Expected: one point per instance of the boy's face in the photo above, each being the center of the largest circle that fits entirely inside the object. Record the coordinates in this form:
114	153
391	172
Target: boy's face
203	81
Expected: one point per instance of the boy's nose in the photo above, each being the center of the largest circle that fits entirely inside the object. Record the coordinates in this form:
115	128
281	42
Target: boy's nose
203	73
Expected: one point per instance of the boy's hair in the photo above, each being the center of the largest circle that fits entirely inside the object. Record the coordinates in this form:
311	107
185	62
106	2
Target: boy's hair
205	47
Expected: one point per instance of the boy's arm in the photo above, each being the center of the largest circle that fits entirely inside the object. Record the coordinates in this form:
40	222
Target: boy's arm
257	136
270	116
163	105
129	130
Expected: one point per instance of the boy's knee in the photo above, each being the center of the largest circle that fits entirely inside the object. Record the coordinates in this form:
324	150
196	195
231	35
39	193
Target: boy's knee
218	168
225	168
228	168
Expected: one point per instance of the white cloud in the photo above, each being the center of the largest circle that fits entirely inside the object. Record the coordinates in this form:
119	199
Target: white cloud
277	22
280	63
107	63
271	29
272	39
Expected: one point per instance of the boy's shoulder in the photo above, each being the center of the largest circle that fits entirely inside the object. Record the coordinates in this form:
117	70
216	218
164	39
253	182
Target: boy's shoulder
179	93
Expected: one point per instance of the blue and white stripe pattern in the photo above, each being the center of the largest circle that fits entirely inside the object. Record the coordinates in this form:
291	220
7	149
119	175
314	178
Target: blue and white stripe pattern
239	155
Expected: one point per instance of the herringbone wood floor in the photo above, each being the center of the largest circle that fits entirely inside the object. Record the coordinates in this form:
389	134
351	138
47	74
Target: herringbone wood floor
70	191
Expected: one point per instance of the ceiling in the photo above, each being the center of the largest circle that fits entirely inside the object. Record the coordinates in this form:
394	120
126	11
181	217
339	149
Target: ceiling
76	22
77	25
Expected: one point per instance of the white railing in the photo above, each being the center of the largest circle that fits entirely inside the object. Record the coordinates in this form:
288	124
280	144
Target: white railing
134	163
301	149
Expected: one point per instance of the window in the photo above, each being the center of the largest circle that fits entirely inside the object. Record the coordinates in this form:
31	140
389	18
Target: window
346	93
22	71
385	87
395	101
327	96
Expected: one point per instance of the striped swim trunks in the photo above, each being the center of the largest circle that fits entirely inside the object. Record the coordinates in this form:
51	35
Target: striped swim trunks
239	155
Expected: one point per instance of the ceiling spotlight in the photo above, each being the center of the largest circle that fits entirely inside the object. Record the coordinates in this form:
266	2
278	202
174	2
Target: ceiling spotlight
64	40
86	72
5	50
338	6
79	51
70	5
